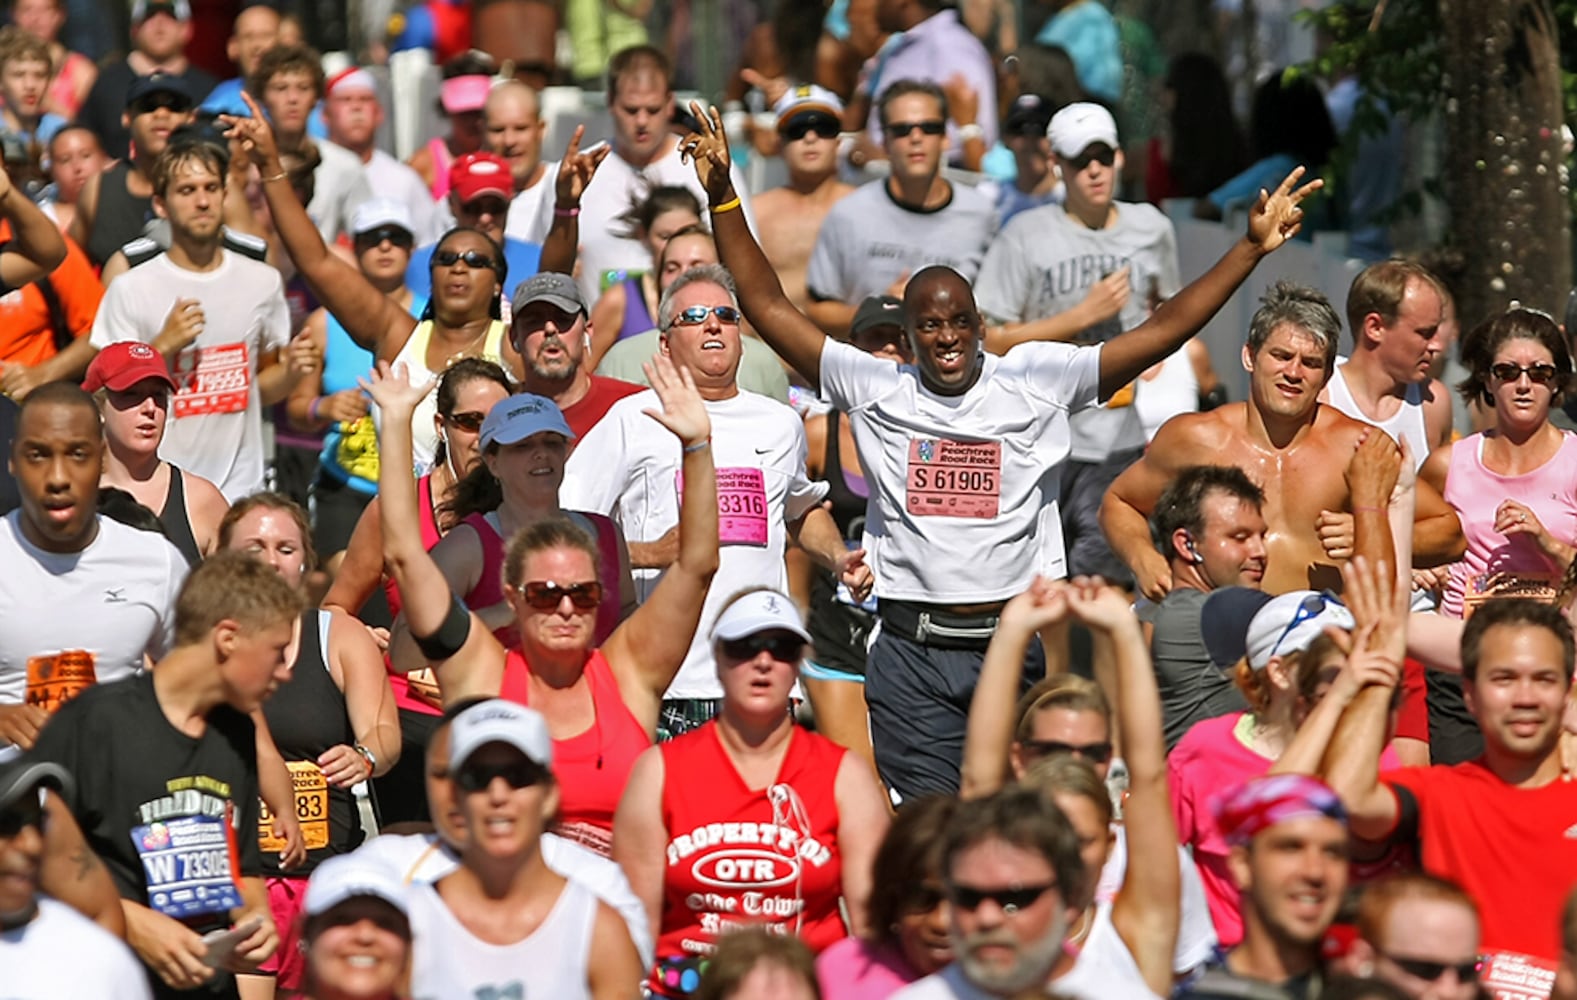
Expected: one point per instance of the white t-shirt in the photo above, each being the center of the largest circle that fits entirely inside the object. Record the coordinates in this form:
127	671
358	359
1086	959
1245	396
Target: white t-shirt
389	178
423	858
981	518
531	211
73	619
62	955
216	417
612	192
627	467
1196	935
1045	261
338	185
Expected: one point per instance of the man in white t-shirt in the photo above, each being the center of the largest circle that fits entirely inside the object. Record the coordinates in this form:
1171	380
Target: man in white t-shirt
219	318
46	948
962	451
352	112
645	156
622	469
512	117
86	598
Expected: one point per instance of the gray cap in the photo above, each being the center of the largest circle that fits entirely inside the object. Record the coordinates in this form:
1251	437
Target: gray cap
20	775
549	286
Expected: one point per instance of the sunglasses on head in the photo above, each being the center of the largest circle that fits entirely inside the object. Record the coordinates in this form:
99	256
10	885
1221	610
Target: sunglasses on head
1467	972
696	315
969	898
782	647
1104	155
25	812
1095	753
520	773
394	234
1539	374
824	126
476	260
545	595
1311	607
467	420
901	130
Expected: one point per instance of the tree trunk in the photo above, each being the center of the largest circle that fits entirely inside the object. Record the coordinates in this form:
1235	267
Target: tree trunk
1503	158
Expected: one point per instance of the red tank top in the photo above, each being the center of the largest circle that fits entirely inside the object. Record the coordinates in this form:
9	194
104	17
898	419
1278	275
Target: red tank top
417	691
593	767
738	857
489	589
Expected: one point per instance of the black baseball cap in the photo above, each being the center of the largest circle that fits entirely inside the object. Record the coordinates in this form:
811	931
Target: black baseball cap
1029	115
158	83
877	310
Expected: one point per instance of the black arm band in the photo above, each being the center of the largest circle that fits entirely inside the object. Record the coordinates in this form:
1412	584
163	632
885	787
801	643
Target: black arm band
451	635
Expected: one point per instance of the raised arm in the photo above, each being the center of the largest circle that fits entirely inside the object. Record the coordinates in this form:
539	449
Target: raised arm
1125	510
1275	219
785	329
370	317
36	246
475	661
646	651
561	245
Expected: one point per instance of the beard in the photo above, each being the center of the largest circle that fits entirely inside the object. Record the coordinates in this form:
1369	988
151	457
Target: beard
1031	966
555	371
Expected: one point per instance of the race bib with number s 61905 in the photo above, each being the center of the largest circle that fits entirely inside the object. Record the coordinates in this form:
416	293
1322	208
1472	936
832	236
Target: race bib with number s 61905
953	478
189	864
212	380
311	790
56	679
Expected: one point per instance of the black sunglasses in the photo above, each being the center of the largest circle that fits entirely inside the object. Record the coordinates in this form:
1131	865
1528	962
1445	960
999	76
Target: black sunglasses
824	126
160	102
1105	156
520	773
1095	753
696	315
28	811
394	234
467	420
901	130
545	595
782	647
1540	374
969	898
1467	972
476	260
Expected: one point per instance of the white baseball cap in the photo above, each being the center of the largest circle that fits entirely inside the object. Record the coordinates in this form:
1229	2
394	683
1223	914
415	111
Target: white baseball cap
1080	125
759	611
1291	622
346	876
500	721
375	212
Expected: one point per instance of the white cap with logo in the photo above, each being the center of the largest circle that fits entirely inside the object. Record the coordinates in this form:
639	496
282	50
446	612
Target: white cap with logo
1079	126
759	611
500	721
346	876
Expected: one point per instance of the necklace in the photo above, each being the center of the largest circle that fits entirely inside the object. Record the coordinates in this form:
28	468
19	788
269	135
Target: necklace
457	355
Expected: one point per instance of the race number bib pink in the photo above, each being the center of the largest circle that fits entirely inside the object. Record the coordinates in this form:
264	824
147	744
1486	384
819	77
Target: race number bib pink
212	380
741	505
1509	976
954	478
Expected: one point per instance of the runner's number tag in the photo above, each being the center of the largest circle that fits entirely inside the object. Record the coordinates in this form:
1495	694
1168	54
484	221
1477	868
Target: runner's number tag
54	680
212	380
312	809
954	478
189	865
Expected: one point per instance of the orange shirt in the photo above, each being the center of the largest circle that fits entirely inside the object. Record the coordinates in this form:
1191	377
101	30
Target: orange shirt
26	336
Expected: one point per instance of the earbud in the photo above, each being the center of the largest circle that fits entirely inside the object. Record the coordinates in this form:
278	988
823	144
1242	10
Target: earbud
1193	552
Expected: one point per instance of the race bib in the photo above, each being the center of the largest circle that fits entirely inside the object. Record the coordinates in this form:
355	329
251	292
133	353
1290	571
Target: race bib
54	680
212	380
1506	975
189	865
741	505
1481	587
953	478
311	790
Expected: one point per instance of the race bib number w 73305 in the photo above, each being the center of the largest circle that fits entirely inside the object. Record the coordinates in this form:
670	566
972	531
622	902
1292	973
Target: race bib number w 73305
189	864
953	478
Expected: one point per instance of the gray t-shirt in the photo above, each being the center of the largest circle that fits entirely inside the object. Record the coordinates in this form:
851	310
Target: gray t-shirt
1045	261
1193	688
868	241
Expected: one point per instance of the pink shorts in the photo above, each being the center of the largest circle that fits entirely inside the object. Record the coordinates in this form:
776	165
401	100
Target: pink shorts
289	965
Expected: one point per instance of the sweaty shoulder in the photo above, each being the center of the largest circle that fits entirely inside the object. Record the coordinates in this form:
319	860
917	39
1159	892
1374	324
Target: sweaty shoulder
1334	425
1208	430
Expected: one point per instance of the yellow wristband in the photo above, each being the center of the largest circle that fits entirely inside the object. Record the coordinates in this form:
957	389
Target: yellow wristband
727	206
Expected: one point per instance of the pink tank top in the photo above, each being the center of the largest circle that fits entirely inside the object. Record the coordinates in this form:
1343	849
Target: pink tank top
442	161
489	590
1475	491
593	767
418	690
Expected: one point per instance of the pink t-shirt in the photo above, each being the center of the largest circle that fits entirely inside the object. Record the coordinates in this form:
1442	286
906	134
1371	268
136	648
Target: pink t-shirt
856	969
1206	764
1475	492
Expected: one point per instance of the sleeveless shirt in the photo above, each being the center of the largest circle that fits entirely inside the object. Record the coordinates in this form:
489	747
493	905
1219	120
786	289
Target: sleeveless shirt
120	217
1406	424
424	437
489	589
350	448
637	319
838	629
177	519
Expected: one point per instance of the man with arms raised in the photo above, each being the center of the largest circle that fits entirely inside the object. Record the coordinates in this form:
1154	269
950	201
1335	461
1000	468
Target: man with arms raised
1286	441
962	451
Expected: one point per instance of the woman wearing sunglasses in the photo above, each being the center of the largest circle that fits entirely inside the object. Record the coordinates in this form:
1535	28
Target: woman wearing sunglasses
467	391
601	704
1514	488
749	819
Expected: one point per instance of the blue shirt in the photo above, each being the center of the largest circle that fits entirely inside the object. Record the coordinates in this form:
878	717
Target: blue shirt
524	260
1088	33
225	99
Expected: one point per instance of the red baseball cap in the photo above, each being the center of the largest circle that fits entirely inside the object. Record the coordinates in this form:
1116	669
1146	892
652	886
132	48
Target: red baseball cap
123	364
476	174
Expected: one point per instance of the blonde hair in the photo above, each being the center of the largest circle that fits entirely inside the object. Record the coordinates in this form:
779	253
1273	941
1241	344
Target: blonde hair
1068	691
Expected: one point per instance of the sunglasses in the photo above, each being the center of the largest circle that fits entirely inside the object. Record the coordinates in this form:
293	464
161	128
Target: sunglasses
160	102
785	648
1467	972
969	898
1105	156
476	260
1027	129
696	315
924	899
901	130
824	126
1095	753
545	595
1311	607
29	811
517	774
393	234
1540	374
469	420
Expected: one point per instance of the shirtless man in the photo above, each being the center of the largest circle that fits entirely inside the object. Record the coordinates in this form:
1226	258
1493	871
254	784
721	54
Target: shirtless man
789	217
1286	441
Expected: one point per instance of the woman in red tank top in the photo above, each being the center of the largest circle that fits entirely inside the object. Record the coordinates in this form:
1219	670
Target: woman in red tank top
601	704
749	819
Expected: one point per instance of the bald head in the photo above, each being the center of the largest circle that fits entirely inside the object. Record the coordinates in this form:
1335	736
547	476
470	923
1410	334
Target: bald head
514	129
510	95
944	328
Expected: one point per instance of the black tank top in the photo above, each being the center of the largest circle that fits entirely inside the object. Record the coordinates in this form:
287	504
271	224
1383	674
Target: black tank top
307	716
839	630
177	521
120	216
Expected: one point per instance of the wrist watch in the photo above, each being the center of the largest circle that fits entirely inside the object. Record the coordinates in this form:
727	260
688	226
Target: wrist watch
368	756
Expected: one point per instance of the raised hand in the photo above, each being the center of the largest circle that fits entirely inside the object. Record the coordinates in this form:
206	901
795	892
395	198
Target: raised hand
577	169
963	103
1278	215
1379	606
1099	606
390	387
255	136
709	149
1043	605
683	412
